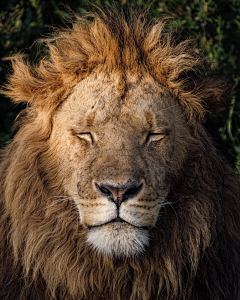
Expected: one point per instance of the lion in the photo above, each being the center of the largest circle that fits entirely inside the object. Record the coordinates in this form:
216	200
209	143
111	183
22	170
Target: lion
112	187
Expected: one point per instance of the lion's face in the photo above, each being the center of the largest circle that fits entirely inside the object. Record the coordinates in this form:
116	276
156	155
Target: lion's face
116	147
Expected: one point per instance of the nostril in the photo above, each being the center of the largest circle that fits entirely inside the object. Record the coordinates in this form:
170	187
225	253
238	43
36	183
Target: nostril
103	190
133	191
130	191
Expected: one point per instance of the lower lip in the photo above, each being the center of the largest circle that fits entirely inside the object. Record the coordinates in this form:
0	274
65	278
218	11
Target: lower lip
120	221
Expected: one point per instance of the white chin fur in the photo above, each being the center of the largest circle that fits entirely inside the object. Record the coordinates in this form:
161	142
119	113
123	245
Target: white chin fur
118	239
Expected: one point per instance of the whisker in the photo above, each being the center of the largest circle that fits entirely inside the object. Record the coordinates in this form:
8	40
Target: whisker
61	199
170	204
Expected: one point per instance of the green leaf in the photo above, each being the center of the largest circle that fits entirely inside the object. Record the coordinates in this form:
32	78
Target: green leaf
179	23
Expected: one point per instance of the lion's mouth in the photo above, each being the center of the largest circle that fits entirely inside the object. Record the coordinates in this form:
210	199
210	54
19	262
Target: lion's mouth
118	220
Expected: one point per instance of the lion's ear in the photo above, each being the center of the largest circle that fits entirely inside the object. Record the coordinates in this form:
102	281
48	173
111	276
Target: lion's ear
216	92
204	94
40	86
213	92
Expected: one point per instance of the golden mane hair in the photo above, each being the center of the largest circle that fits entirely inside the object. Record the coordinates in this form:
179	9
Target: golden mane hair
115	44
194	252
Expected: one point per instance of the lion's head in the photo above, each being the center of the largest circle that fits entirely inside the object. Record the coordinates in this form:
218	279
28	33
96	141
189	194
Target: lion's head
118	147
112	187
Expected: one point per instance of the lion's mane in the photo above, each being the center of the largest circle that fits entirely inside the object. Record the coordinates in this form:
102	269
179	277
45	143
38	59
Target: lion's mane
195	248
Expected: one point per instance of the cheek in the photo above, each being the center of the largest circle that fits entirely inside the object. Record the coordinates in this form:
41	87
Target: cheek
73	164
158	161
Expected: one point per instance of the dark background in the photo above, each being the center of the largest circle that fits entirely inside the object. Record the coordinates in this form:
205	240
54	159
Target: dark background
214	24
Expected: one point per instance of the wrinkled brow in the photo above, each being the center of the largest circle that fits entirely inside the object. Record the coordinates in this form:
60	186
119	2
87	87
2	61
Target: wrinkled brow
150	119
90	118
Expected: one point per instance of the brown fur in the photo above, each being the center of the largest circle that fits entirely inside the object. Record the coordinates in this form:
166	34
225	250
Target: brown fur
194	248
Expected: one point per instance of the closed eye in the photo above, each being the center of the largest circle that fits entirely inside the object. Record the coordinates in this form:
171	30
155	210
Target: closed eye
87	136
156	136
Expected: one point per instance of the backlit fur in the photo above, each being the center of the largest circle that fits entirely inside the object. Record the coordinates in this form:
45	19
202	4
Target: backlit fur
118	80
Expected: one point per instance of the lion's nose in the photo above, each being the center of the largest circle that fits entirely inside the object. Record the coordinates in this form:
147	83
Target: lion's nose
119	193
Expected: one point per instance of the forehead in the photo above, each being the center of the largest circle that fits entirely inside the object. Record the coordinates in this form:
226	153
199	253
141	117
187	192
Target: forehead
102	97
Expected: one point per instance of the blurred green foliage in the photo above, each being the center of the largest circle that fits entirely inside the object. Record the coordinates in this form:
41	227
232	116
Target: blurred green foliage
214	23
